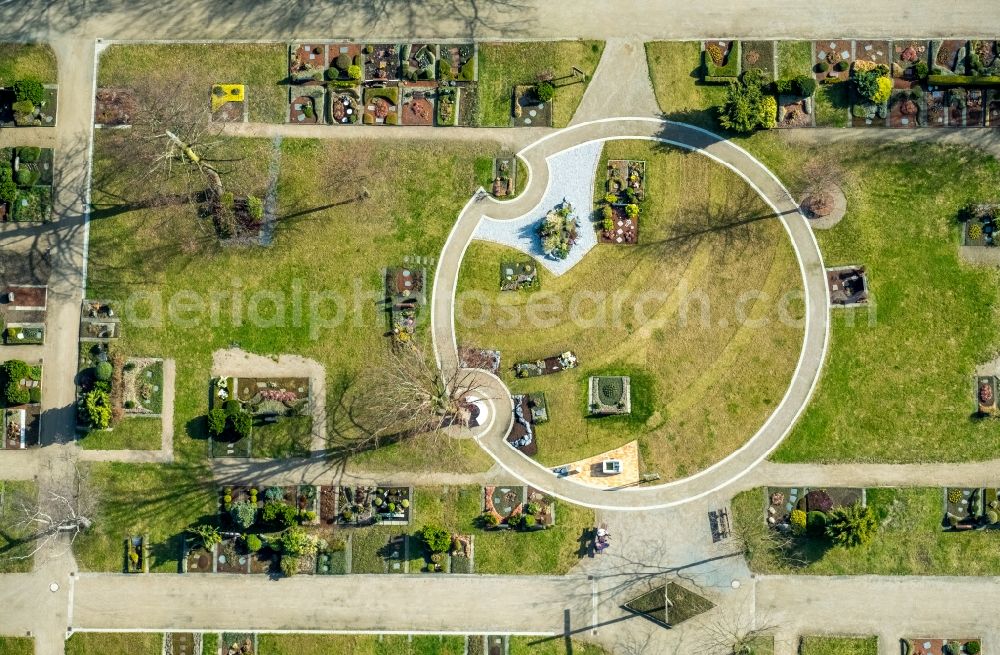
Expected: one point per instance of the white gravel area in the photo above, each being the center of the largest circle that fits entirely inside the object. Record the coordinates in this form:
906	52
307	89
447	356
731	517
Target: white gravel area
571	178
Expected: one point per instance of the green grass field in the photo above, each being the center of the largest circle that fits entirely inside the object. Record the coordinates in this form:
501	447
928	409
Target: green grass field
13	544
831	102
329	252
307	644
904	368
21	60
263	67
794	59
130	434
910	541
674	69
115	643
823	645
502	65
702	383
161	500
548	646
17	646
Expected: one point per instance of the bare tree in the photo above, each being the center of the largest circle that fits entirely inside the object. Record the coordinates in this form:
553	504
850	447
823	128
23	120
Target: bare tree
60	513
734	631
402	397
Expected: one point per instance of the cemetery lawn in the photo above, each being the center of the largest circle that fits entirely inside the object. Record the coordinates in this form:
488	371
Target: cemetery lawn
904	368
822	645
21	60
503	65
316	644
115	643
129	434
10	532
328	240
699	390
674	71
261	66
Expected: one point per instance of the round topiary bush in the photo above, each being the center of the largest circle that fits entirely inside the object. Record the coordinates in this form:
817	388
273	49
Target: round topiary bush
231	406
527	521
545	91
822	67
972	647
103	371
29	90
342	62
253	543
816	524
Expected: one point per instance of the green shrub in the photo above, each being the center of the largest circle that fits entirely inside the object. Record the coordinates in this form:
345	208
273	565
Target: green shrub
289	565
823	67
804	85
216	422
241	423
467	71
307	111
331	74
98	406
8	190
852	526
244	513
435	538
253	543
964	80
608	224
921	69
490	520
26	177
295	541
13	372
35	395
545	91
231	406
29	154
208	534
798	521
342	62
972	647
746	107
444	69
527	521
29	90
841	66
816	524
255	206
23	107
354	72
632	211
103	371
274	494
607	213
280	513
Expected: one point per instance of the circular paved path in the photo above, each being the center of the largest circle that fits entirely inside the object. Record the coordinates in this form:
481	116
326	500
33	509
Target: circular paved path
492	436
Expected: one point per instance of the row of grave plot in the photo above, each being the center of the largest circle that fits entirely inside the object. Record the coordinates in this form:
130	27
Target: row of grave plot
419	103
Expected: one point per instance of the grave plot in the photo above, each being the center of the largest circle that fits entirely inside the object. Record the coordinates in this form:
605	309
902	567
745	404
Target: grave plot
136	554
468	101
934	646
462	553
626	180
143	392
328	504
382	63
608	395
983	58
782	501
963	508
848	286
504	178
832	60
758	55
239	643
530	108
515	276
231	557
405	294
937	109
392	505
260	417
720	60
877	52
503	503
29	198
21	427
457	61
306	63
418	106
948	56
418	61
488	360
905	109
448	105
333	556
365	505
22	311
381	106
28	103
345	65
115	106
542	506
619	224
992	108
344	107
305	104
529	410
547	366
229	103
975	109
793	111
197	558
909	63
956	107
985	392
182	643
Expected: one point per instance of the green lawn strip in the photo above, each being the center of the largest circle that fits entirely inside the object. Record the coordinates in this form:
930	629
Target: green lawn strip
504	65
675	71
133	433
161	500
22	60
825	645
115	643
12	534
910	541
699	390
831	103
261	66
794	59
551	646
17	645
209	643
315	644
416	191
289	437
905	389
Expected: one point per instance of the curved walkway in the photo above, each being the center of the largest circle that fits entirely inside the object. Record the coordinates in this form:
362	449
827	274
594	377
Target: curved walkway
807	372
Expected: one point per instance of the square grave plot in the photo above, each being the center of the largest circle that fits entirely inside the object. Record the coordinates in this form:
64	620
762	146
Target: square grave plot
381	62
306	62
874	51
515	276
949	55
199	560
505	501
457	61
836	56
759	55
529	110
905	110
180	643
609	394
418	106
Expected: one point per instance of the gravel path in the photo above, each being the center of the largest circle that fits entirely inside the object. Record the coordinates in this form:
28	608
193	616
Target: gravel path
571	178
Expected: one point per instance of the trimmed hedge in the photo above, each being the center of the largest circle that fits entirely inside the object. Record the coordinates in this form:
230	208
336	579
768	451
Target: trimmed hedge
964	80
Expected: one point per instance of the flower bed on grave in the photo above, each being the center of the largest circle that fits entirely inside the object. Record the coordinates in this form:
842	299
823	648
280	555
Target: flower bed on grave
231	556
143	382
305	105
344	107
457	61
448	104
937	646
135	554
529	109
29	196
547	366
418	61
332	556
558	231
462	553
504	180
364	505
37	107
382	62
986	395
381	106
979	224
487	360
239	643
198	559
229	103
504	503
720	61
964	508
405	294
783	501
